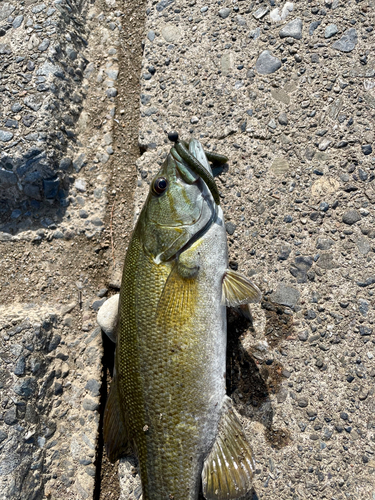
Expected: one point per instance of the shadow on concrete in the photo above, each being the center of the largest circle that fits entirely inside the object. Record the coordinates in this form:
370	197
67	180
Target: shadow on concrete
36	166
251	379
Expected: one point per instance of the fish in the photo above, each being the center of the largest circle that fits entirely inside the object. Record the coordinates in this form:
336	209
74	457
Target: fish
167	401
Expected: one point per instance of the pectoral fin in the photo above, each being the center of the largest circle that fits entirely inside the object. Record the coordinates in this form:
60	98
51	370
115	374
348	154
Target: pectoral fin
238	290
116	436
176	304
228	469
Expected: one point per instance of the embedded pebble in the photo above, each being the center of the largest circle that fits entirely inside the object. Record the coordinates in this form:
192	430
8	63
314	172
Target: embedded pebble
351	216
292	29
330	31
224	13
347	42
267	63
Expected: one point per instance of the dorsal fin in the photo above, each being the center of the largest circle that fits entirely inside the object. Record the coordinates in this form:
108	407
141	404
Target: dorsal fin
238	290
228	469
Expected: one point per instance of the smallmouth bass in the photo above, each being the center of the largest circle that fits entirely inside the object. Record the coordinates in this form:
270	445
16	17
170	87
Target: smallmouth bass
168	401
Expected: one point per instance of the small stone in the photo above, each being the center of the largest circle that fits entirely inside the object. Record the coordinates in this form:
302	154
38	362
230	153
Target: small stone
11	123
38	8
224	13
365	330
363	245
303	402
284	252
107	317
267	63
90	404
292	29
230	227
151	35
97	304
83	214
366	149
17	21
112	92
163	4
58	389
19	369
303	336
351	216
5	136
347	42
300	267
280	95
330	31
363	306
288	219
194	120
16	107
80	185
323	145
171	33
28	120
44	45
324	243
10	416
285	295
93	386
26	387
272	124
327	261
369	281
362	175
33	101
261	12
54	343
283	119
51	187
313	27
227	63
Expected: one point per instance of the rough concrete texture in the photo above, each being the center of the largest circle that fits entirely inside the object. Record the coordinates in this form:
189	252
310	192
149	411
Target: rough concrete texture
294	111
54	264
49	385
291	101
58	83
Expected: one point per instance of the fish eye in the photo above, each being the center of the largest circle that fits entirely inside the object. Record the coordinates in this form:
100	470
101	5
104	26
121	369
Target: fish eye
160	185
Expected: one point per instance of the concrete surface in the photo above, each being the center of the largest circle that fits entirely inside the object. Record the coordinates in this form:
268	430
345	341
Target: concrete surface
287	91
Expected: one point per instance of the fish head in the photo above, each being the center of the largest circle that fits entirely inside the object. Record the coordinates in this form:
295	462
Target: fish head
178	208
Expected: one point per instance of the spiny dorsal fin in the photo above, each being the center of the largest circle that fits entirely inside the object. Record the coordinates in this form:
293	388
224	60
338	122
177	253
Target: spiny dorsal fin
238	290
116	436
228	469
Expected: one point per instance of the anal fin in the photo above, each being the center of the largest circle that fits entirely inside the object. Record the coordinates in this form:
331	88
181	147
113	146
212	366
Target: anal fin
116	435
228	469
238	290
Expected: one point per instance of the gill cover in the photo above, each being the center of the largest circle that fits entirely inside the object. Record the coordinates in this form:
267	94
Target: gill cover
172	218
